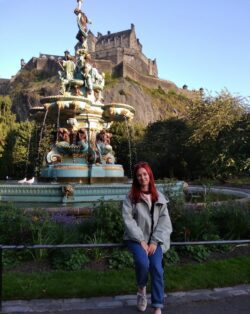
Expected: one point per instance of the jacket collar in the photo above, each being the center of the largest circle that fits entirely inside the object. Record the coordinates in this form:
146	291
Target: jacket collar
162	199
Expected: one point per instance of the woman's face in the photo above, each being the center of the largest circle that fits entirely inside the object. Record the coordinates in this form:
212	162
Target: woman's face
143	179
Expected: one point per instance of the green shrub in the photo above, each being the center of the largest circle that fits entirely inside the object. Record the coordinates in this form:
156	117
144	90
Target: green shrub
232	220
171	257
108	220
14	225
96	254
198	252
120	259
68	259
190	225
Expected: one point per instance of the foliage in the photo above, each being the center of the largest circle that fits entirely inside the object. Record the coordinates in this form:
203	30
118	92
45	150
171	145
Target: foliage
7	124
210	116
172	104
219	138
22	144
108	220
120	259
198	252
211	142
126	136
13	225
232	220
171	257
12	259
68	259
21	163
163	147
96	254
110	80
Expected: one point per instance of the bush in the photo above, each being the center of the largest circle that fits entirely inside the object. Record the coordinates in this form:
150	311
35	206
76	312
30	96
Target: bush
108	220
14	225
171	257
232	220
120	259
68	259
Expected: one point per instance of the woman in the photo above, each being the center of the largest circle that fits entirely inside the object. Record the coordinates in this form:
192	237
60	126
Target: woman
147	234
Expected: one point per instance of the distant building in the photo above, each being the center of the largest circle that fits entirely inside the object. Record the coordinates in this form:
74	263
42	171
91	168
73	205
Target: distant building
121	47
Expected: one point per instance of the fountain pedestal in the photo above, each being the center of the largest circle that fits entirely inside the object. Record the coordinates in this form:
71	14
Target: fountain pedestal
82	152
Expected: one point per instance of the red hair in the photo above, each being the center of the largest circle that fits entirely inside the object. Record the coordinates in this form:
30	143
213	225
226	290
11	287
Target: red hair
135	192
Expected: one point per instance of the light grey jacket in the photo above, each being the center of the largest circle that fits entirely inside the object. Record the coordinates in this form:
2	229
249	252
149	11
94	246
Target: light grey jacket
138	221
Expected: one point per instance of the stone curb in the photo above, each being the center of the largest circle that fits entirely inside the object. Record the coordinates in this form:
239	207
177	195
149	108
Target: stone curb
47	305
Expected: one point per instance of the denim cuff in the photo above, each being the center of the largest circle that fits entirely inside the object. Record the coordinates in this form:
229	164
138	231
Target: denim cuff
159	305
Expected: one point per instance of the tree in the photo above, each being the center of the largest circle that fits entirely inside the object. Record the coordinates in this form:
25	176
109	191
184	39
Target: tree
218	125
164	148
210	116
124	141
7	120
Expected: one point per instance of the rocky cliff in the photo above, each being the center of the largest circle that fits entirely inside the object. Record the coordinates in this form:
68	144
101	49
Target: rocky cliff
151	104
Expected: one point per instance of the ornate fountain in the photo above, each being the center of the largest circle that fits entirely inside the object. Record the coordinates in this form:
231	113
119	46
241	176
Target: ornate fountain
82	152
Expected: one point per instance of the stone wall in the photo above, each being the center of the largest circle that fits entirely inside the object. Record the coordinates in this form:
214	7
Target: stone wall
115	55
103	65
125	70
110	42
45	64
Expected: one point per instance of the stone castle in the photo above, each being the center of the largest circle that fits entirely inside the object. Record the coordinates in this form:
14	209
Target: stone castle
121	47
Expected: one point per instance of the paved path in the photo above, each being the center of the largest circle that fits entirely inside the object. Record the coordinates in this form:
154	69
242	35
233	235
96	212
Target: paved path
230	300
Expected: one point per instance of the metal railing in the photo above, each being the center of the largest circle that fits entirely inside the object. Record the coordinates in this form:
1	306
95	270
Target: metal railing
94	246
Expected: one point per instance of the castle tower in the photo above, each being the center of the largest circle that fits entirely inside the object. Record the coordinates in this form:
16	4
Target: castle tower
121	47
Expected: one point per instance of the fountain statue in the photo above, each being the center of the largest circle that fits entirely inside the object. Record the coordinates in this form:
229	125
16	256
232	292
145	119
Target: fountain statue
82	151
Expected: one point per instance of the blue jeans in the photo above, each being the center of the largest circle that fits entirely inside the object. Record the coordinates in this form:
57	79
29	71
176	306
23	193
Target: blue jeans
145	264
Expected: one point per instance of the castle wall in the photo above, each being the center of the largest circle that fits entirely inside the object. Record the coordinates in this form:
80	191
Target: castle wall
115	55
103	65
48	65
135	58
111	42
129	72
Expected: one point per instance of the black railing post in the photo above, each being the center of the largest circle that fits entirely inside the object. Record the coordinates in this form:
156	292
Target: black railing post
1	277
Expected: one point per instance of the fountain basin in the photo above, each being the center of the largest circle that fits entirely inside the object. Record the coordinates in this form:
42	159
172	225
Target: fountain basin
118	112
83	173
239	195
87	195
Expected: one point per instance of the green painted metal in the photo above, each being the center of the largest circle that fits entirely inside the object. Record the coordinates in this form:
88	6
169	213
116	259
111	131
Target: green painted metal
72	193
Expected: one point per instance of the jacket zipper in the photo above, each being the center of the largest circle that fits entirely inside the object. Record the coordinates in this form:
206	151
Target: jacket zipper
152	222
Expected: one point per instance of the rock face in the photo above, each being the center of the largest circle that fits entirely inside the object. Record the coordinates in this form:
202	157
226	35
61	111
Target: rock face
27	88
133	94
150	104
152	101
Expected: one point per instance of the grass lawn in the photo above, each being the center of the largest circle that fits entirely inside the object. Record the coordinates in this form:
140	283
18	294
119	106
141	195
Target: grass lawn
89	283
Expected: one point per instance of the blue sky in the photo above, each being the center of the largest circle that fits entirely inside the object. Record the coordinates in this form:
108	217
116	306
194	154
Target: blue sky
200	43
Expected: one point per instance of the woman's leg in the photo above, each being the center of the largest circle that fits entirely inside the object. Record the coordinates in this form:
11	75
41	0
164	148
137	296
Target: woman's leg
141	263
156	271
141	270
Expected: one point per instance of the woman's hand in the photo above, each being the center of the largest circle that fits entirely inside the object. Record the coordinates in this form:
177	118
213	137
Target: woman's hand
144	246
151	248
